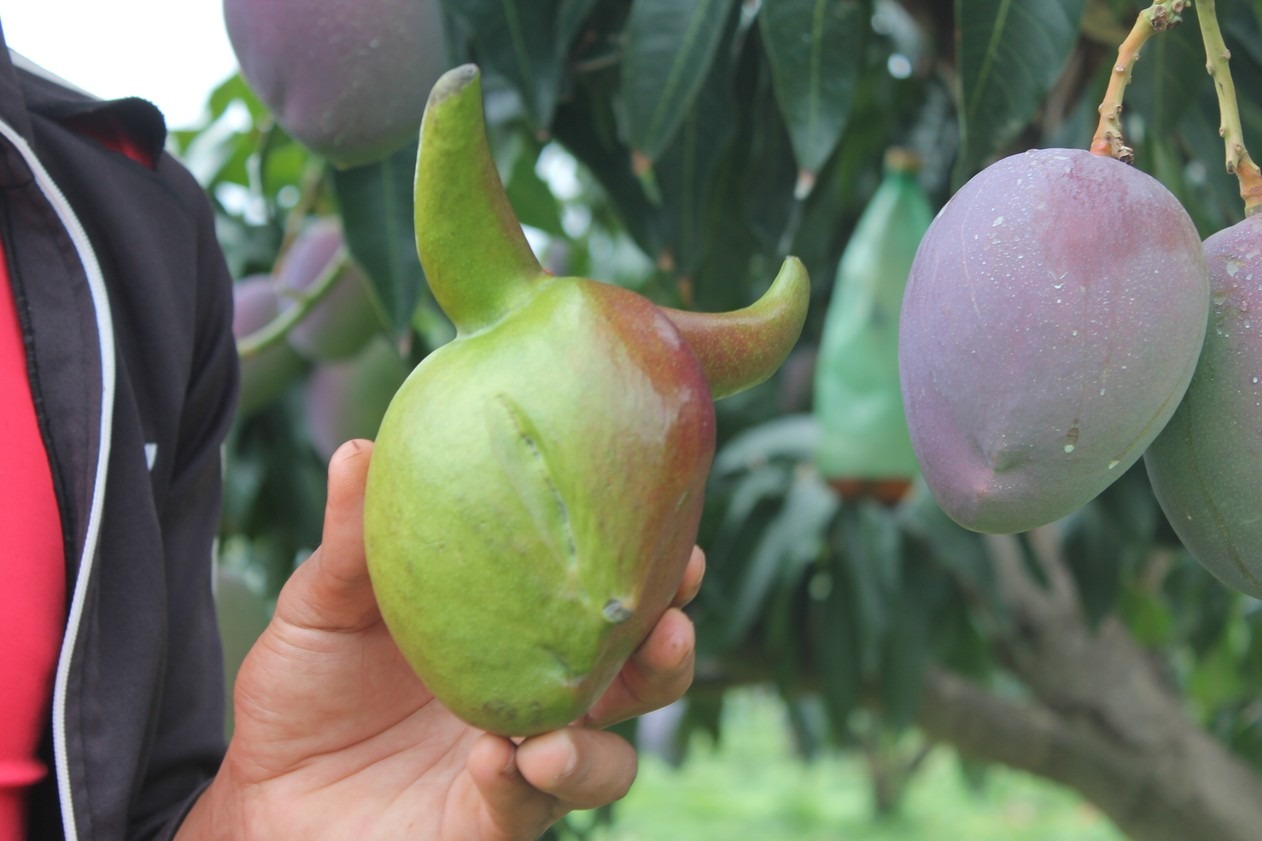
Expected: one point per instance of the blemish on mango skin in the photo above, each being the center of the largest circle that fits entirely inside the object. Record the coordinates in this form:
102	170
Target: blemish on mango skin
615	612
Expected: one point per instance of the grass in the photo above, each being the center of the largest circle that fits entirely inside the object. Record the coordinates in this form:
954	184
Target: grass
751	787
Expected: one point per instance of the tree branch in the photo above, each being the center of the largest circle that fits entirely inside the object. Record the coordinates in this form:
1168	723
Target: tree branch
1097	716
1024	735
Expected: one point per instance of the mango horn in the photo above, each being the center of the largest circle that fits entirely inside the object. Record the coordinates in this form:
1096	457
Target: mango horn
471	245
742	348
480	266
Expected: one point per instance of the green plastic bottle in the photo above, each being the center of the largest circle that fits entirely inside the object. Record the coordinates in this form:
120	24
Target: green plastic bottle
865	450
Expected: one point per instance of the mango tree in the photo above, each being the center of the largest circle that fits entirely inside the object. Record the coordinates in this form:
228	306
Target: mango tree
684	149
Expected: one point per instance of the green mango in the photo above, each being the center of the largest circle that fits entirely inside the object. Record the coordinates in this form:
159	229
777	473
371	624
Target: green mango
1204	465
536	484
864	446
347	399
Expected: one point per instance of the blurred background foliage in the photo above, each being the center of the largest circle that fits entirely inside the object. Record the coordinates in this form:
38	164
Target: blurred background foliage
682	148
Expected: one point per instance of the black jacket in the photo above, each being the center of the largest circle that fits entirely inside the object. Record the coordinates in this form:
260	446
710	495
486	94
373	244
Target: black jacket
126	307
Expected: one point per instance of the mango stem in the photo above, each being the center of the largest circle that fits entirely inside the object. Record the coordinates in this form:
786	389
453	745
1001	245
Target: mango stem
304	302
1109	140
1217	58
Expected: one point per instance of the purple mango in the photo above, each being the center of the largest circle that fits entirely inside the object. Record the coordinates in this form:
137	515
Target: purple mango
1052	320
346	78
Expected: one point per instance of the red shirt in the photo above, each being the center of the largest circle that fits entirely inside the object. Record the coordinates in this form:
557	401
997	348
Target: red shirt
32	577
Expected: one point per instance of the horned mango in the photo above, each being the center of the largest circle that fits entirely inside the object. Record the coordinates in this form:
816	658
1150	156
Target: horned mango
536	484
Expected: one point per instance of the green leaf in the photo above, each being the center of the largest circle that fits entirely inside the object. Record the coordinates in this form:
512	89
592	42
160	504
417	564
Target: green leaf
958	551
838	641
217	154
585	124
789	542
907	647
1010	53
1215	679
872	556
960	639
670	45
704	714
1219	192
770	172
1251	660
517	40
232	90
530	196
1092	547
1241	29
375	202
791	437
1203	611
765	482
1113	533
686	169
783	630
805	718
570	19
814	48
1167	81
733	256
1147	617
222	150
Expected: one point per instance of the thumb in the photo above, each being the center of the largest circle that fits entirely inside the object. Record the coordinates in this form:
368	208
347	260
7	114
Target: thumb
331	591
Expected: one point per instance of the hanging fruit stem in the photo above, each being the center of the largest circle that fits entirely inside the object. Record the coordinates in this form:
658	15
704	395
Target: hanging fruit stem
1217	58
1109	139
304	302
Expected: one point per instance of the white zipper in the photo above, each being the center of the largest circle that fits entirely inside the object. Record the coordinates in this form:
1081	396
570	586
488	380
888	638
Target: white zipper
105	334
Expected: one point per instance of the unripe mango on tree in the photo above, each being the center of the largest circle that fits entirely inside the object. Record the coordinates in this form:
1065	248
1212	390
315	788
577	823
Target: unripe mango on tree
347	399
1053	318
1205	465
346	78
536	485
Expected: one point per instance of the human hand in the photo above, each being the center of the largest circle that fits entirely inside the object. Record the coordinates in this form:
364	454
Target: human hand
335	736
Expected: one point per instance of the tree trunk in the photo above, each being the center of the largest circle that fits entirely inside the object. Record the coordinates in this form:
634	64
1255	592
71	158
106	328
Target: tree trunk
1098	717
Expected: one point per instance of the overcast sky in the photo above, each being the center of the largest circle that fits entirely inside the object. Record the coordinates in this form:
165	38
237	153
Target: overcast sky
172	52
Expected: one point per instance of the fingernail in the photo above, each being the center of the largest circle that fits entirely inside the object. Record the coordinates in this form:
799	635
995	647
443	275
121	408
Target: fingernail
571	760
